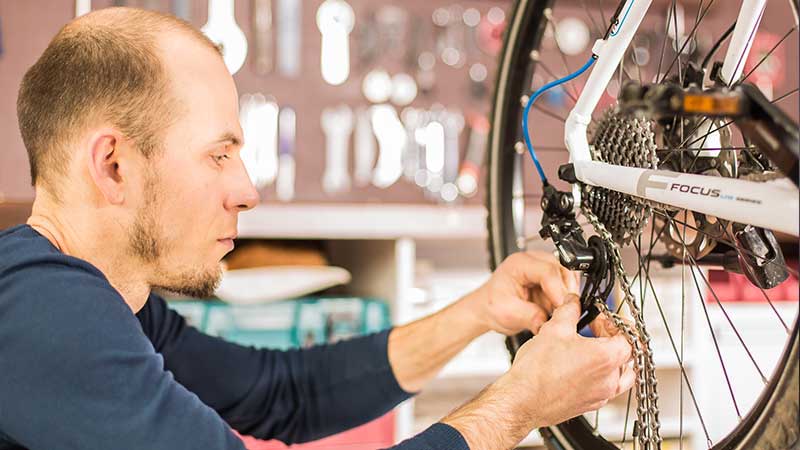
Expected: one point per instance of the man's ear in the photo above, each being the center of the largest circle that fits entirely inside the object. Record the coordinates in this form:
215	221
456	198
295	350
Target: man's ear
104	147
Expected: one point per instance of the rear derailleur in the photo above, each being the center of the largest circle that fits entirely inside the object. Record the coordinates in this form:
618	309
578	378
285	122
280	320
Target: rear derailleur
591	257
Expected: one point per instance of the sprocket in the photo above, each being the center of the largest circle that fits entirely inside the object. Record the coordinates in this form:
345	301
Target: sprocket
624	140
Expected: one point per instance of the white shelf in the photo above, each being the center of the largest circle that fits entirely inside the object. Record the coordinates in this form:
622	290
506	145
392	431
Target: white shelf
359	221
366	221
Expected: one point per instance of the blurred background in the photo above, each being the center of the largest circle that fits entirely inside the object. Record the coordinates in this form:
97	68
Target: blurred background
366	124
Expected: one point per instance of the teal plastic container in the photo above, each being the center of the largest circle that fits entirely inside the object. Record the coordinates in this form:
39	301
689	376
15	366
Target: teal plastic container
291	323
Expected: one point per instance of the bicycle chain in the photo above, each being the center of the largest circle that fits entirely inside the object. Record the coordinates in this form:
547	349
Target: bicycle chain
647	422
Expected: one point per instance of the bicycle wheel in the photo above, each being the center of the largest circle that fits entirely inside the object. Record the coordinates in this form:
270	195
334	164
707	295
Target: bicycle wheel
670	37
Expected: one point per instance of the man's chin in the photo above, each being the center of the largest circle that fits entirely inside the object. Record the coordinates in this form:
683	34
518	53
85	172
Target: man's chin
192	284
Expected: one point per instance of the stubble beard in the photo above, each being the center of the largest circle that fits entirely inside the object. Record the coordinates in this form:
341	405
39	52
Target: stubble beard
149	244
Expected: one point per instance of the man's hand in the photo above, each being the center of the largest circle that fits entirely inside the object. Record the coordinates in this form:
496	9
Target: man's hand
523	292
571	374
556	376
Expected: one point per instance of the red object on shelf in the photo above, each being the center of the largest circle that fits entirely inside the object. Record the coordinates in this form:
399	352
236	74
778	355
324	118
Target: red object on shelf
732	287
376	434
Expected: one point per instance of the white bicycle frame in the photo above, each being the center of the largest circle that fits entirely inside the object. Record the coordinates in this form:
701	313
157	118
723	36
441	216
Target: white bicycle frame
774	205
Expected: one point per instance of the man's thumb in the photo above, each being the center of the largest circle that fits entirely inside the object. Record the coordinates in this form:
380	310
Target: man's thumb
569	312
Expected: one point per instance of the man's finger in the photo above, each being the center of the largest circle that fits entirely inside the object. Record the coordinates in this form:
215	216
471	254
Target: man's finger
617	348
542	256
526	269
534	268
569	312
537	323
603	327
554	287
517	314
533	315
626	380
538	296
571	280
530	269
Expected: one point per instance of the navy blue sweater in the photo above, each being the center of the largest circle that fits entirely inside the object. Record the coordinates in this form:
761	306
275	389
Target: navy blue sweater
79	371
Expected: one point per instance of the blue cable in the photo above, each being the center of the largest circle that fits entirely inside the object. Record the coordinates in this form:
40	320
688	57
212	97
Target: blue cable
533	98
619	27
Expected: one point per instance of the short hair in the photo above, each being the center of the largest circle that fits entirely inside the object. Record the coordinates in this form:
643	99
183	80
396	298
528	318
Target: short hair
103	66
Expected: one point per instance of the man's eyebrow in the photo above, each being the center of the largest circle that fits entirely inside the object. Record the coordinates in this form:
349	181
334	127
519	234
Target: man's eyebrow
228	137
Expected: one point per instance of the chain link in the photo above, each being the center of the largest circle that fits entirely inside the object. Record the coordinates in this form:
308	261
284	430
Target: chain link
646	386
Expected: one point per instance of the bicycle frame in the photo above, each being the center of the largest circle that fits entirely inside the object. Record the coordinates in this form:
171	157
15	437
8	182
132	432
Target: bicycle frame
774	205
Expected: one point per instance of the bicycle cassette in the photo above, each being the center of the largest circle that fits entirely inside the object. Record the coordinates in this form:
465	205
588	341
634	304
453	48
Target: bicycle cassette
623	140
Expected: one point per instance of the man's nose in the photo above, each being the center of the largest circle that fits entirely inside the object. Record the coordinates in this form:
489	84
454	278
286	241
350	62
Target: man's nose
243	195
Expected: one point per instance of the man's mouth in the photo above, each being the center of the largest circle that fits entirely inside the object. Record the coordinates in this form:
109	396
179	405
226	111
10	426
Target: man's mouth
228	241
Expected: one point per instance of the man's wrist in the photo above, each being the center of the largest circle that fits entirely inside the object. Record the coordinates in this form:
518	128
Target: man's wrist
522	396
417	351
499	417
471	313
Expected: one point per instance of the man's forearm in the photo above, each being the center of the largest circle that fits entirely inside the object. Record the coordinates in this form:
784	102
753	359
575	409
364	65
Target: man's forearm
418	350
495	419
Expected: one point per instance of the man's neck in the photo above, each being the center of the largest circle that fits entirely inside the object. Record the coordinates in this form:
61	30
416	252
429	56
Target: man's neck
84	240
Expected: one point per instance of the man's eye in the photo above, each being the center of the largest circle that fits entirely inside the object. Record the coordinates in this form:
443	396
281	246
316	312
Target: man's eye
218	158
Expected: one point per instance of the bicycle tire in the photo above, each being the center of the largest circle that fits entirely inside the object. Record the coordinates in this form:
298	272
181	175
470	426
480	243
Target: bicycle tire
772	423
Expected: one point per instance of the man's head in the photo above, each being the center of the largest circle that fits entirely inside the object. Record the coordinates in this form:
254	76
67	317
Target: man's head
130	119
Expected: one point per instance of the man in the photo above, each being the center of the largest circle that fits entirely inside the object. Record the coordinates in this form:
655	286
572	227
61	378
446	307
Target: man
131	122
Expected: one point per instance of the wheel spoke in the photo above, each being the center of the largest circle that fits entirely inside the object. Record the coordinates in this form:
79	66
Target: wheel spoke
653	240
763	292
551	149
683	46
749	39
683	330
726	242
602	11
691	133
597	30
727	123
675	351
664	42
638	66
705	136
518	203
624	69
793	91
764	58
555	77
697	155
716	344
730	322
694	149
639	273
627	414
711	329
554	26
547	112
677	41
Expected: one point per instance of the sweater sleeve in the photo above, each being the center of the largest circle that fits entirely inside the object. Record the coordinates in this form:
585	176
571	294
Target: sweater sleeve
438	436
78	373
293	396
